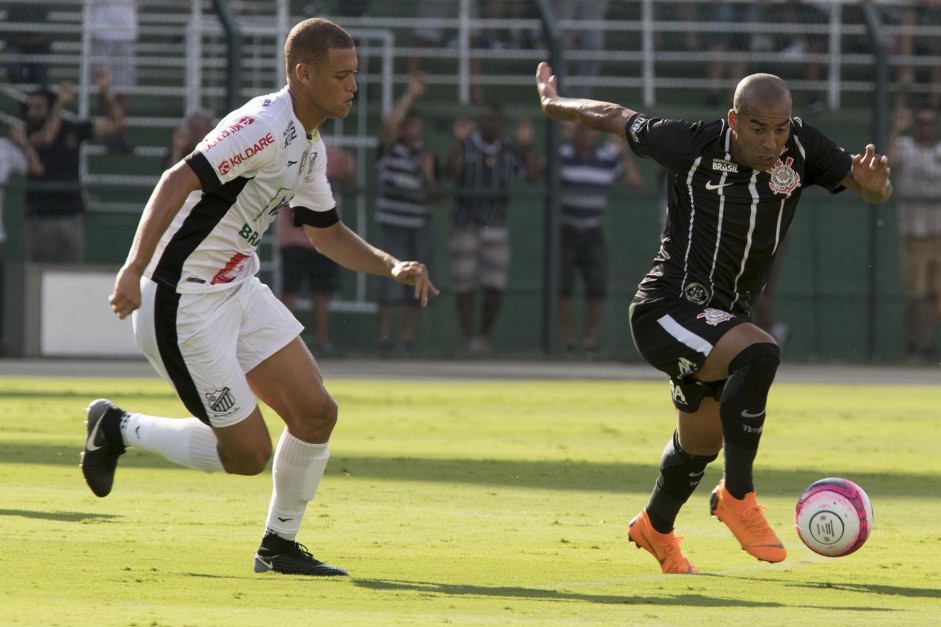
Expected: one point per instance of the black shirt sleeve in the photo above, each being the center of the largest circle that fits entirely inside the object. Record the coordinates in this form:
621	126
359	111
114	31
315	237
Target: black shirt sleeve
198	162
317	219
827	164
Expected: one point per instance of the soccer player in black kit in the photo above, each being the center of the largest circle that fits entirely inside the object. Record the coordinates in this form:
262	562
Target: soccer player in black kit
735	184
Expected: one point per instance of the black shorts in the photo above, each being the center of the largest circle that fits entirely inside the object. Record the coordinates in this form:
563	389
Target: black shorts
585	251
300	262
675	336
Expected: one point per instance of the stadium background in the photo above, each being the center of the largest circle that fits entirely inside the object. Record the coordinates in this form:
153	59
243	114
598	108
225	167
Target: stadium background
839	288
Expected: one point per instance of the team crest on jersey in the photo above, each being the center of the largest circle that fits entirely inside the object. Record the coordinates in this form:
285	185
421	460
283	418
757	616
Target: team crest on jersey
221	401
697	293
714	317
784	179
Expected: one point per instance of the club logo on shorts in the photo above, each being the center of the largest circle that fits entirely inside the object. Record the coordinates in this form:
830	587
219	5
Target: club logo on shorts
686	367
221	401
784	179
715	316
697	293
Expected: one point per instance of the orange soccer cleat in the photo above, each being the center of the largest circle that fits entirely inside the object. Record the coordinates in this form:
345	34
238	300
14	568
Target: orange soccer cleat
746	519
664	546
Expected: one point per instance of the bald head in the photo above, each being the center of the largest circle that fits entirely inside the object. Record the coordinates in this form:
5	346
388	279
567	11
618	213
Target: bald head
760	91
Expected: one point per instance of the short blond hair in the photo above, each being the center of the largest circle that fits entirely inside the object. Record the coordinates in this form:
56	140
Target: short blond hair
310	42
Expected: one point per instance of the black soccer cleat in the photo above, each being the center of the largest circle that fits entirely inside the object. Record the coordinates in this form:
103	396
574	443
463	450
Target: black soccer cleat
291	558
103	446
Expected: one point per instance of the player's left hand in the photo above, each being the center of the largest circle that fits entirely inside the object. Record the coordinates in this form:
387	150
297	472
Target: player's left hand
871	170
415	273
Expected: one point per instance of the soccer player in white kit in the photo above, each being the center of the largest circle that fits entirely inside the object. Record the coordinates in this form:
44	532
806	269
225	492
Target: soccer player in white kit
211	328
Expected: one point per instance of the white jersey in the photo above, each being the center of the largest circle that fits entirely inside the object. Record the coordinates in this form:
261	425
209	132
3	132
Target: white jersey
256	163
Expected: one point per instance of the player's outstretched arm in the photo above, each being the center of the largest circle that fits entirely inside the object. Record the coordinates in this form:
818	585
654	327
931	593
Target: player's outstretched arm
869	176
606	117
351	251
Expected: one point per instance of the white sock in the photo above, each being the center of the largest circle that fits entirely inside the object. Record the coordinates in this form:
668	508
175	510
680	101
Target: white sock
185	441
296	472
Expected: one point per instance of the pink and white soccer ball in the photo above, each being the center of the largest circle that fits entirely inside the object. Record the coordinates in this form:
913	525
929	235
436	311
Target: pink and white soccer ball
833	517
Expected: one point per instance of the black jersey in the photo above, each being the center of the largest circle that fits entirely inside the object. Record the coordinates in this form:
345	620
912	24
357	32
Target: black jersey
725	222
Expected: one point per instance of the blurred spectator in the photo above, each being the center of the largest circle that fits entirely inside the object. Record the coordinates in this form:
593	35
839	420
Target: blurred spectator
916	160
588	173
112	26
925	13
197	125
427	35
729	17
16	155
55	227
30	41
587	40
301	263
483	163
407	176
794	45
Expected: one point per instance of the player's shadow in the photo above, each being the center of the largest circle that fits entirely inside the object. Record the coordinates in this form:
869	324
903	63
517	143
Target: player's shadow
520	592
58	516
869	588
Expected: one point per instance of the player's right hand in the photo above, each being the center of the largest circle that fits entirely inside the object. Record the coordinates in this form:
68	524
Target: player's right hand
126	296
546	84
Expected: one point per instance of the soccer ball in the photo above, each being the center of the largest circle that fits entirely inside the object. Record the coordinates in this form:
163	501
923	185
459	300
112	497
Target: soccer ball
833	517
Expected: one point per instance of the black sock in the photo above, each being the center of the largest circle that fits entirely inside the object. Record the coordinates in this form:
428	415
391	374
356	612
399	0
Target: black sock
680	473
742	408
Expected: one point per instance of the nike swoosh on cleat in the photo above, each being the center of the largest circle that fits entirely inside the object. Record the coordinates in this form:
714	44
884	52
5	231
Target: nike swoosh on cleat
748	414
267	563
90	442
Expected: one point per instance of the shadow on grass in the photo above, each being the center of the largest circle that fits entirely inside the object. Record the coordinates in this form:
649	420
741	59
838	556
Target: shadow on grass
864	588
58	516
628	598
561	474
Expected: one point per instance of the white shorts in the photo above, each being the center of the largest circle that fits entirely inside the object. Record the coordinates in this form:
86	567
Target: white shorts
203	344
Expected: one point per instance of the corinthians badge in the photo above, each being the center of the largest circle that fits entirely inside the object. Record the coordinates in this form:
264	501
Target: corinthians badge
784	179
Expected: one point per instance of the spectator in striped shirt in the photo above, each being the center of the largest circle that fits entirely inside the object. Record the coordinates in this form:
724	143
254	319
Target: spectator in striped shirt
483	163
588	173
407	176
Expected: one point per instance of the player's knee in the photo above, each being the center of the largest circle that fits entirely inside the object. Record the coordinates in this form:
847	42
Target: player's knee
318	420
251	461
760	362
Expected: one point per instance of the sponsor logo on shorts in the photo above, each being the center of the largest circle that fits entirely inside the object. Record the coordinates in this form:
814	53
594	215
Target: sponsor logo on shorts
714	317
697	293
686	367
677	393
221	401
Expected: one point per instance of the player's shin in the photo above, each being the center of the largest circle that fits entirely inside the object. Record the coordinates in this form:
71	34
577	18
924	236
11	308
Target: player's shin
296	472
742	409
185	441
680	474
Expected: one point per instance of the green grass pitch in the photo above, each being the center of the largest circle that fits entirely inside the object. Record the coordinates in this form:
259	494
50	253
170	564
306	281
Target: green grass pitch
466	503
